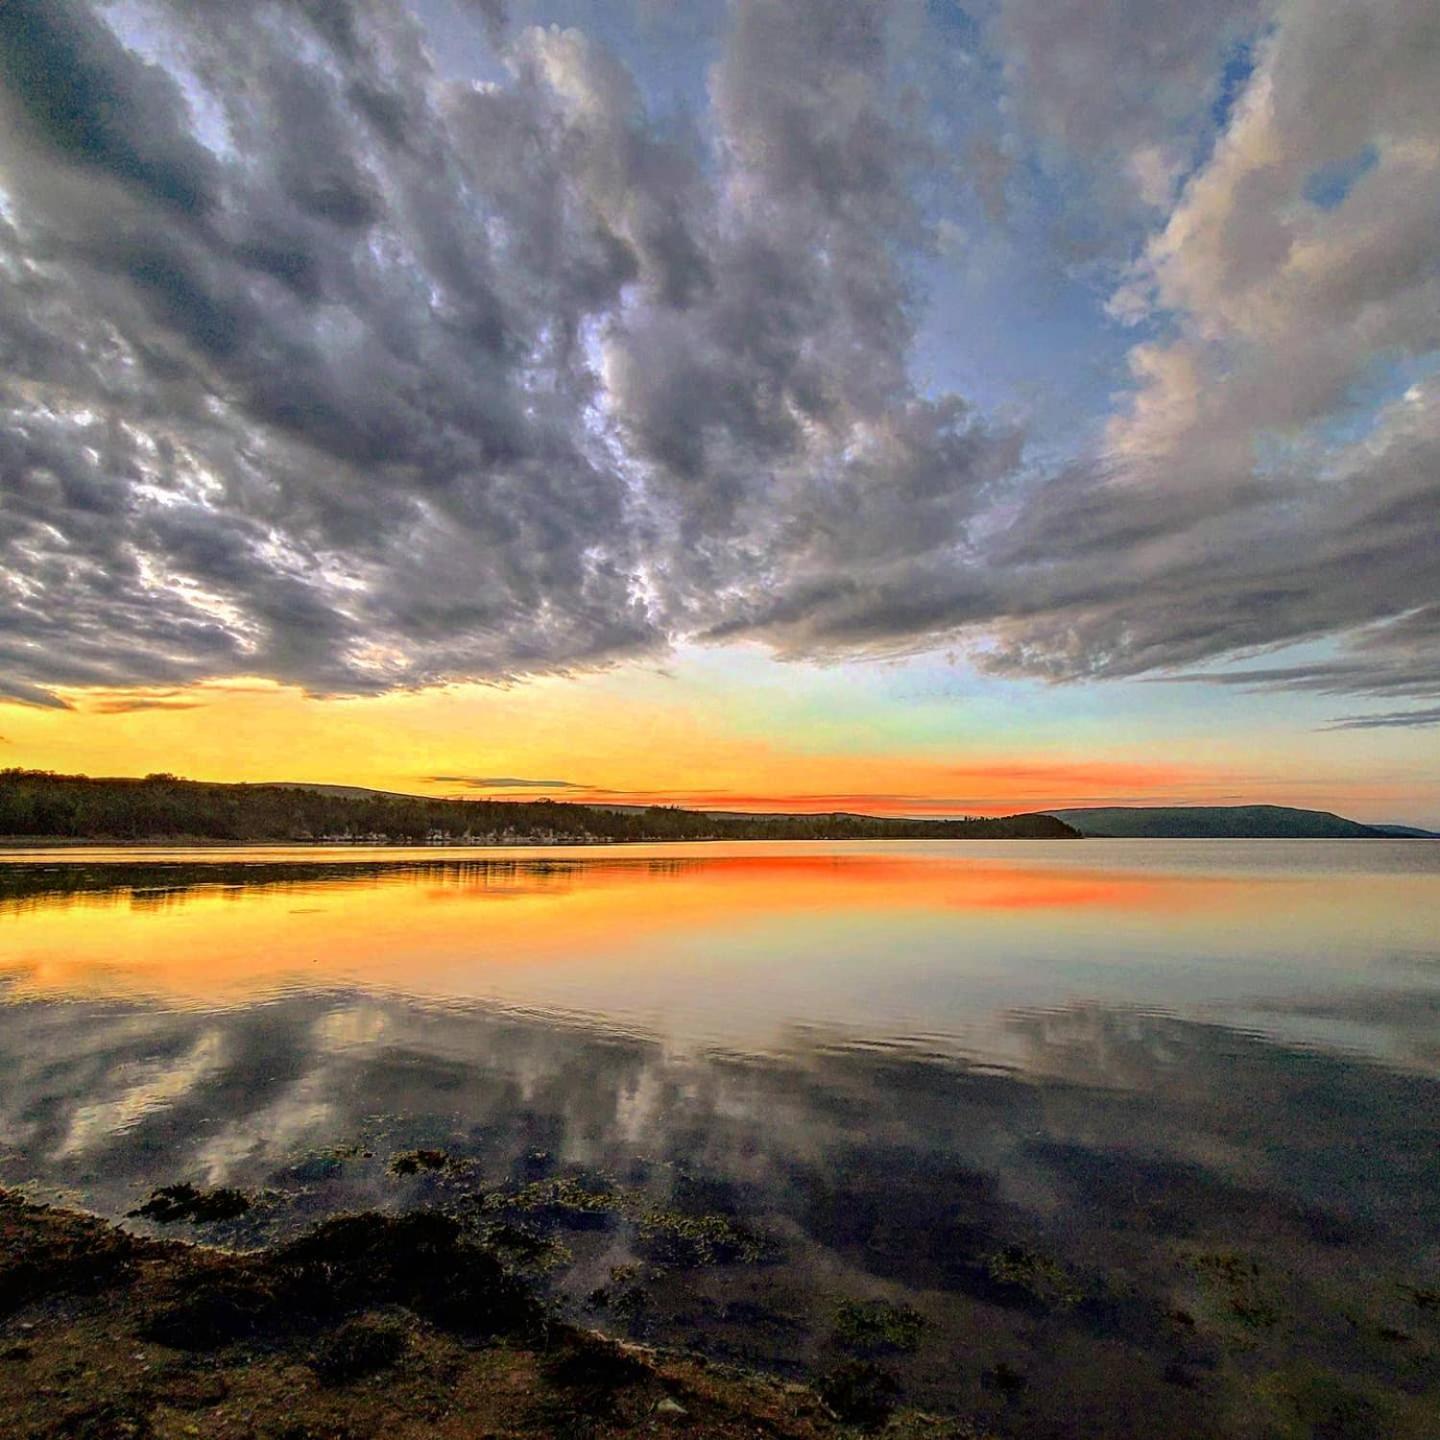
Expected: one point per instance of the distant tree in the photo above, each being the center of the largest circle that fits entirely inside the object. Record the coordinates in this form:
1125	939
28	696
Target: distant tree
165	807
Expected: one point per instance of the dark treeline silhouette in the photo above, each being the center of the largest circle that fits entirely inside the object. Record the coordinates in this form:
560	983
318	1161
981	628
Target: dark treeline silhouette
38	804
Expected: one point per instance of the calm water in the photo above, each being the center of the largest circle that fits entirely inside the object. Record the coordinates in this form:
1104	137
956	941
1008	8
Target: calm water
1059	1097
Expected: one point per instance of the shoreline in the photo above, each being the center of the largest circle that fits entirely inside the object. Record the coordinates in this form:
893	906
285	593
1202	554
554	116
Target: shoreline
48	845
367	1325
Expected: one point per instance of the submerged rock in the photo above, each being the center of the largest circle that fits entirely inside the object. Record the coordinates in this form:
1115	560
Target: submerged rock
412	1162
173	1203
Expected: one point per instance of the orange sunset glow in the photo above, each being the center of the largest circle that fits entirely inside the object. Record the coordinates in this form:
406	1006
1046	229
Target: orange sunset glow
779	739
481	924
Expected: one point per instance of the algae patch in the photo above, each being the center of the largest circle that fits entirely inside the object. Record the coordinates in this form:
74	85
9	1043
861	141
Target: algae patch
173	1203
876	1327
1039	1276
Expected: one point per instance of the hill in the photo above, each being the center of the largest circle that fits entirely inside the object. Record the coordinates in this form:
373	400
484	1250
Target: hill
36	804
1219	822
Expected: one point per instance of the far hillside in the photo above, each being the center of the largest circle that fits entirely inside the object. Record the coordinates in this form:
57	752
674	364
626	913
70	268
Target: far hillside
1221	822
36	805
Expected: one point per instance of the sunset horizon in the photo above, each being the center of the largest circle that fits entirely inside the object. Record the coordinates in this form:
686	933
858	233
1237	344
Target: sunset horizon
736	730
720	718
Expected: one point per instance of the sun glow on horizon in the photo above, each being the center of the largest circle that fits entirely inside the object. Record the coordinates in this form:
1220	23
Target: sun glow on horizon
730	730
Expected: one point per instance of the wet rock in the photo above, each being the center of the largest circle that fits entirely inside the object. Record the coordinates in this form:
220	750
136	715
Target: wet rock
522	1247
669	1238
346	1265
583	1202
105	1421
591	1374
418	1260
185	1388
44	1253
211	1310
757	1316
1188	1377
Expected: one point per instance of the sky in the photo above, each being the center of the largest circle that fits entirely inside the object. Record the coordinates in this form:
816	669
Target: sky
889	405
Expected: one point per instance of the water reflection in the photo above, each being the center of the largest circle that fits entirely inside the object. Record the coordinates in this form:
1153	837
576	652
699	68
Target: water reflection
898	1061
733	947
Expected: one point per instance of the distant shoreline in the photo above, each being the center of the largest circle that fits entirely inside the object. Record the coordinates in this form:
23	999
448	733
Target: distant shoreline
47	845
42	811
39	808
13	848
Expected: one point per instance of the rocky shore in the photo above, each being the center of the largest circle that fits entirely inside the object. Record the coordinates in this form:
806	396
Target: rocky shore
366	1325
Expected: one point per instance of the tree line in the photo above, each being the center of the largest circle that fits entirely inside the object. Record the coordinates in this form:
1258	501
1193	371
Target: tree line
37	804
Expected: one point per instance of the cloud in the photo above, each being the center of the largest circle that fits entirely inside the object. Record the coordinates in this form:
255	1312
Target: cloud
473	382
503	782
128	704
1223	516
1389	720
320	365
1115	95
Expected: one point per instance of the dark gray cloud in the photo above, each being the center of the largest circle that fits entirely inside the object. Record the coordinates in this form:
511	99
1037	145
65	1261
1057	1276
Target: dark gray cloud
323	367
1389	720
319	364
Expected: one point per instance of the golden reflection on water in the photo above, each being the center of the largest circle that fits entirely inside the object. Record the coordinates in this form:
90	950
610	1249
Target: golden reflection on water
720	941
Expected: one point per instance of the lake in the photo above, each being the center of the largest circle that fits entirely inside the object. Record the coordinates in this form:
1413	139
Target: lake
1077	1138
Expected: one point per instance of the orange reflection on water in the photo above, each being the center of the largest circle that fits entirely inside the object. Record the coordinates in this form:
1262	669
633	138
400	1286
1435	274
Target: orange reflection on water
583	927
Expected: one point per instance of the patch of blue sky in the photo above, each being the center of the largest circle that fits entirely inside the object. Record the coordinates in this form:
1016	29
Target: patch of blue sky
1053	361
1236	71
667	48
1225	696
459	42
955	21
1014	324
1328	187
938	705
1386	380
